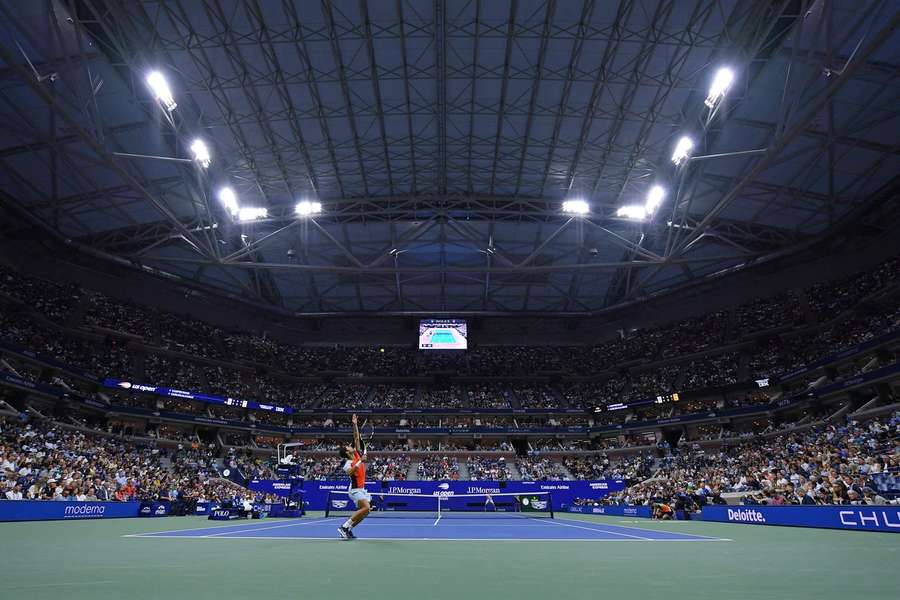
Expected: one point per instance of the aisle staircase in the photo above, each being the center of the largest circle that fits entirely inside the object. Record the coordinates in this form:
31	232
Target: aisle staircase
566	471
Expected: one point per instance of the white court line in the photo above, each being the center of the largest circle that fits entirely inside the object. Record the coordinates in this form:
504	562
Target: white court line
63	584
332	519
423	539
637	537
231	529
197	528
639	528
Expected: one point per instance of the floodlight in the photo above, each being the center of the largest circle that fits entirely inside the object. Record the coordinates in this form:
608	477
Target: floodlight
654	198
161	91
576	207
682	150
229	199
306	208
721	82
201	153
638	213
252	213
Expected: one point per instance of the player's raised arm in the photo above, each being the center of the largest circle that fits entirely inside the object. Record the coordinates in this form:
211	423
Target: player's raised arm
356	442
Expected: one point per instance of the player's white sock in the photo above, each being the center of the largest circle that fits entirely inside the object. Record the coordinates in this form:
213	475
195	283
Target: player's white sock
348	524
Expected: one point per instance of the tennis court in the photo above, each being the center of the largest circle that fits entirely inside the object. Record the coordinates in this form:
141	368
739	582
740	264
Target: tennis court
481	528
443	336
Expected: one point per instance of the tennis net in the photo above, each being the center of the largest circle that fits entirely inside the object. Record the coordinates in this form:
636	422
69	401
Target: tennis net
520	505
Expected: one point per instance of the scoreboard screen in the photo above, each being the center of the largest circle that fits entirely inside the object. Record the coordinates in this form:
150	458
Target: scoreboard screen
442	334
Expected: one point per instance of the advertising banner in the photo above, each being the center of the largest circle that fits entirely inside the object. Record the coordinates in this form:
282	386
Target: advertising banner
854	518
154	509
118	384
616	511
563	493
47	510
272	486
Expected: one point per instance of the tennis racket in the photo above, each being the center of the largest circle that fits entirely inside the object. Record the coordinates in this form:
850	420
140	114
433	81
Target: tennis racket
366	433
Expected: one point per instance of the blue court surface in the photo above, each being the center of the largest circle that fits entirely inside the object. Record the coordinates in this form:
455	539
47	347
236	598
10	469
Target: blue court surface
443	336
447	529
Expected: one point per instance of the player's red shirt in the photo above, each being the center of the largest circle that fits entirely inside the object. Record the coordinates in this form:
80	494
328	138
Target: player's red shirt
357	476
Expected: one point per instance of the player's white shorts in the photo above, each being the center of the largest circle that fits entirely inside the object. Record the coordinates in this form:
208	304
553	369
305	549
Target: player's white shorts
358	494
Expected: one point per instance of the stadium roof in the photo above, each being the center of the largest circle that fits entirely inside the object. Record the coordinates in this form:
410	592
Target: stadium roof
442	139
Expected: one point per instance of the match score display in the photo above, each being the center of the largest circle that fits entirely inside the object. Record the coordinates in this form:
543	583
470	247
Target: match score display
442	334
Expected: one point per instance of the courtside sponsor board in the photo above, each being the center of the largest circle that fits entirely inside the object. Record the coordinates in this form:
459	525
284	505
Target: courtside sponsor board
615	511
49	510
854	518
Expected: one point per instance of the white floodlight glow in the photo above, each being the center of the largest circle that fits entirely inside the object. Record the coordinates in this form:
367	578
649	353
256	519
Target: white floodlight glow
638	213
229	200
201	153
682	150
576	207
654	198
251	213
161	91
306	208
721	82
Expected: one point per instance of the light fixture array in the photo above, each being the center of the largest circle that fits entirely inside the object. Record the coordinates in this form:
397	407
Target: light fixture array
162	93
681	154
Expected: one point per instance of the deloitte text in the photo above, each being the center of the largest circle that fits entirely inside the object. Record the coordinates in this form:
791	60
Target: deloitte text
746	516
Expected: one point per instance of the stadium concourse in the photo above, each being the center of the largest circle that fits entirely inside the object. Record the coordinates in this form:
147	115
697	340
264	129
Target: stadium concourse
435	300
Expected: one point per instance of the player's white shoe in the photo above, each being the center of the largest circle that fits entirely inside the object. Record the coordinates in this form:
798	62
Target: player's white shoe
345	533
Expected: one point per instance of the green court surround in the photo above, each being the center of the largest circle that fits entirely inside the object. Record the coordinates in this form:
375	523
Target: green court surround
92	560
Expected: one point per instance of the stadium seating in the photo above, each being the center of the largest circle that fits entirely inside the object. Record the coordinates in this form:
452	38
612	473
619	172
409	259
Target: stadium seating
70	339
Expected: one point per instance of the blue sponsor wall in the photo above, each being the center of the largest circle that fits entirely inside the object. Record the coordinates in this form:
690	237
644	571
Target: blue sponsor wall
278	487
315	493
616	511
853	518
154	509
45	510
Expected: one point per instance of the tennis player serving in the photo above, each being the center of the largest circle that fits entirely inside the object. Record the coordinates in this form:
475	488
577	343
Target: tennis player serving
355	467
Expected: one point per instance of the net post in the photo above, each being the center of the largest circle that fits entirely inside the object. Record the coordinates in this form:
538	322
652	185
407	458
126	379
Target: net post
328	504
550	504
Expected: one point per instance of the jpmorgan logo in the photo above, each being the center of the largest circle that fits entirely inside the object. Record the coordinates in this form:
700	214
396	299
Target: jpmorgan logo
404	490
